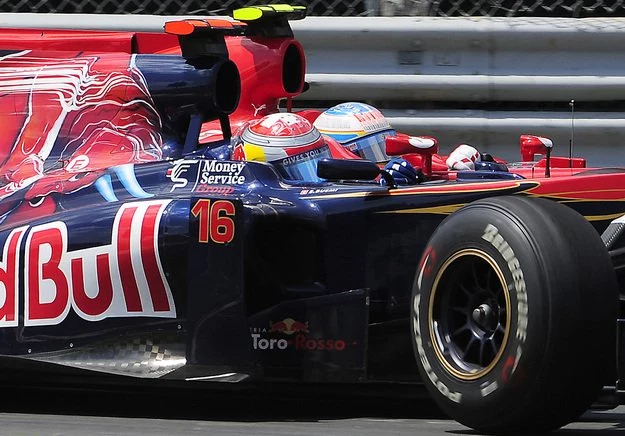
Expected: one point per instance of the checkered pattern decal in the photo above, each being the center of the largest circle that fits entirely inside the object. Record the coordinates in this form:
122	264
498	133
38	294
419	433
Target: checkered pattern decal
137	357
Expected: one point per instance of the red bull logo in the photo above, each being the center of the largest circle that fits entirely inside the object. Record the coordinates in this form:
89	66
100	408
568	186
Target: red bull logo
288	326
122	279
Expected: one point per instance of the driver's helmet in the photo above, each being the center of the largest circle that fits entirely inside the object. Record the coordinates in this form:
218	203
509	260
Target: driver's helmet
286	140
359	127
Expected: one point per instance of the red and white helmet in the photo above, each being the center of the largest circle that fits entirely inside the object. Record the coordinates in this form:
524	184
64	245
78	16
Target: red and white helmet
463	158
287	140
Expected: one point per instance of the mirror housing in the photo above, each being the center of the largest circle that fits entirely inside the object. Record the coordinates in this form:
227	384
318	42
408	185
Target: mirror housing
425	146
532	145
347	169
405	144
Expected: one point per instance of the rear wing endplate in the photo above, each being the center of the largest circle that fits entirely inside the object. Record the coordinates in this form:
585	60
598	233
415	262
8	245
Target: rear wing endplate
204	37
269	20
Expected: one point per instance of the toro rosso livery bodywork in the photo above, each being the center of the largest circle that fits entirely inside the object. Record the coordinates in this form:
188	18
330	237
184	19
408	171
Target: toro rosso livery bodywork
131	247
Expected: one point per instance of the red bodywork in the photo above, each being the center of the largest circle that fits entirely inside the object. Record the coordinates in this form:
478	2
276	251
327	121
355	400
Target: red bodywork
96	104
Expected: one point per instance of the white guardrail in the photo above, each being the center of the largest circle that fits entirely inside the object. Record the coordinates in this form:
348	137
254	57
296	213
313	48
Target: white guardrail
435	59
486	60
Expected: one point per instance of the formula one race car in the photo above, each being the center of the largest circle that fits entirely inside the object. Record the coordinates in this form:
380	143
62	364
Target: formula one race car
129	249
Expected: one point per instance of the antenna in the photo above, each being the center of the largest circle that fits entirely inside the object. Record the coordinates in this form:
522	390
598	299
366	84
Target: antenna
572	105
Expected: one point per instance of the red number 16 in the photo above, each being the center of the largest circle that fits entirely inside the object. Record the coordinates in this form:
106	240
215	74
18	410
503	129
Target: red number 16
215	219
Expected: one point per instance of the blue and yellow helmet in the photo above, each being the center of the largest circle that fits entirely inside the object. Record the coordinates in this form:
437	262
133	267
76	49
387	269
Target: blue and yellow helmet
359	127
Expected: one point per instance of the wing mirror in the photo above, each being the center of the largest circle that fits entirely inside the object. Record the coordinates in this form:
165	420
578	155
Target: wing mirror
425	146
351	169
532	145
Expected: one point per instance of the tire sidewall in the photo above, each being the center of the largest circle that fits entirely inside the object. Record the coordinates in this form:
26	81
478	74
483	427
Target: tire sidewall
503	238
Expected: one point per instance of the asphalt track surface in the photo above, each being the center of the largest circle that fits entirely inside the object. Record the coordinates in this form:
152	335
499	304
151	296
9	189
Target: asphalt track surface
175	412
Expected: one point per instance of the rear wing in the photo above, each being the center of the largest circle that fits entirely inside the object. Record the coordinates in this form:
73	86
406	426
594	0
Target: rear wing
200	37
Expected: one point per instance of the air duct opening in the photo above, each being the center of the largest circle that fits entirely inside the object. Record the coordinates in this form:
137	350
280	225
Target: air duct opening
227	87
293	69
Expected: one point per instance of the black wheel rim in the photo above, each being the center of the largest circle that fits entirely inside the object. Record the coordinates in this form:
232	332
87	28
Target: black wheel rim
469	314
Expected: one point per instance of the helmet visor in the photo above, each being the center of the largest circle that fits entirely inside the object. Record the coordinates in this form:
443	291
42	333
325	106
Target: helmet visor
372	147
303	166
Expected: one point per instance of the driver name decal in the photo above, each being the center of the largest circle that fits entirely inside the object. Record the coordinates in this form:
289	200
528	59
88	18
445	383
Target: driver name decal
121	279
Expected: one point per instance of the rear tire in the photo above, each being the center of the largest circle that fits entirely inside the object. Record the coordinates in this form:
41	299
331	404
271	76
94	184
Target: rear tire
514	315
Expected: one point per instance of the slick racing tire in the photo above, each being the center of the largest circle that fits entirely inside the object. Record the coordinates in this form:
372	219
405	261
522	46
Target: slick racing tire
514	315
